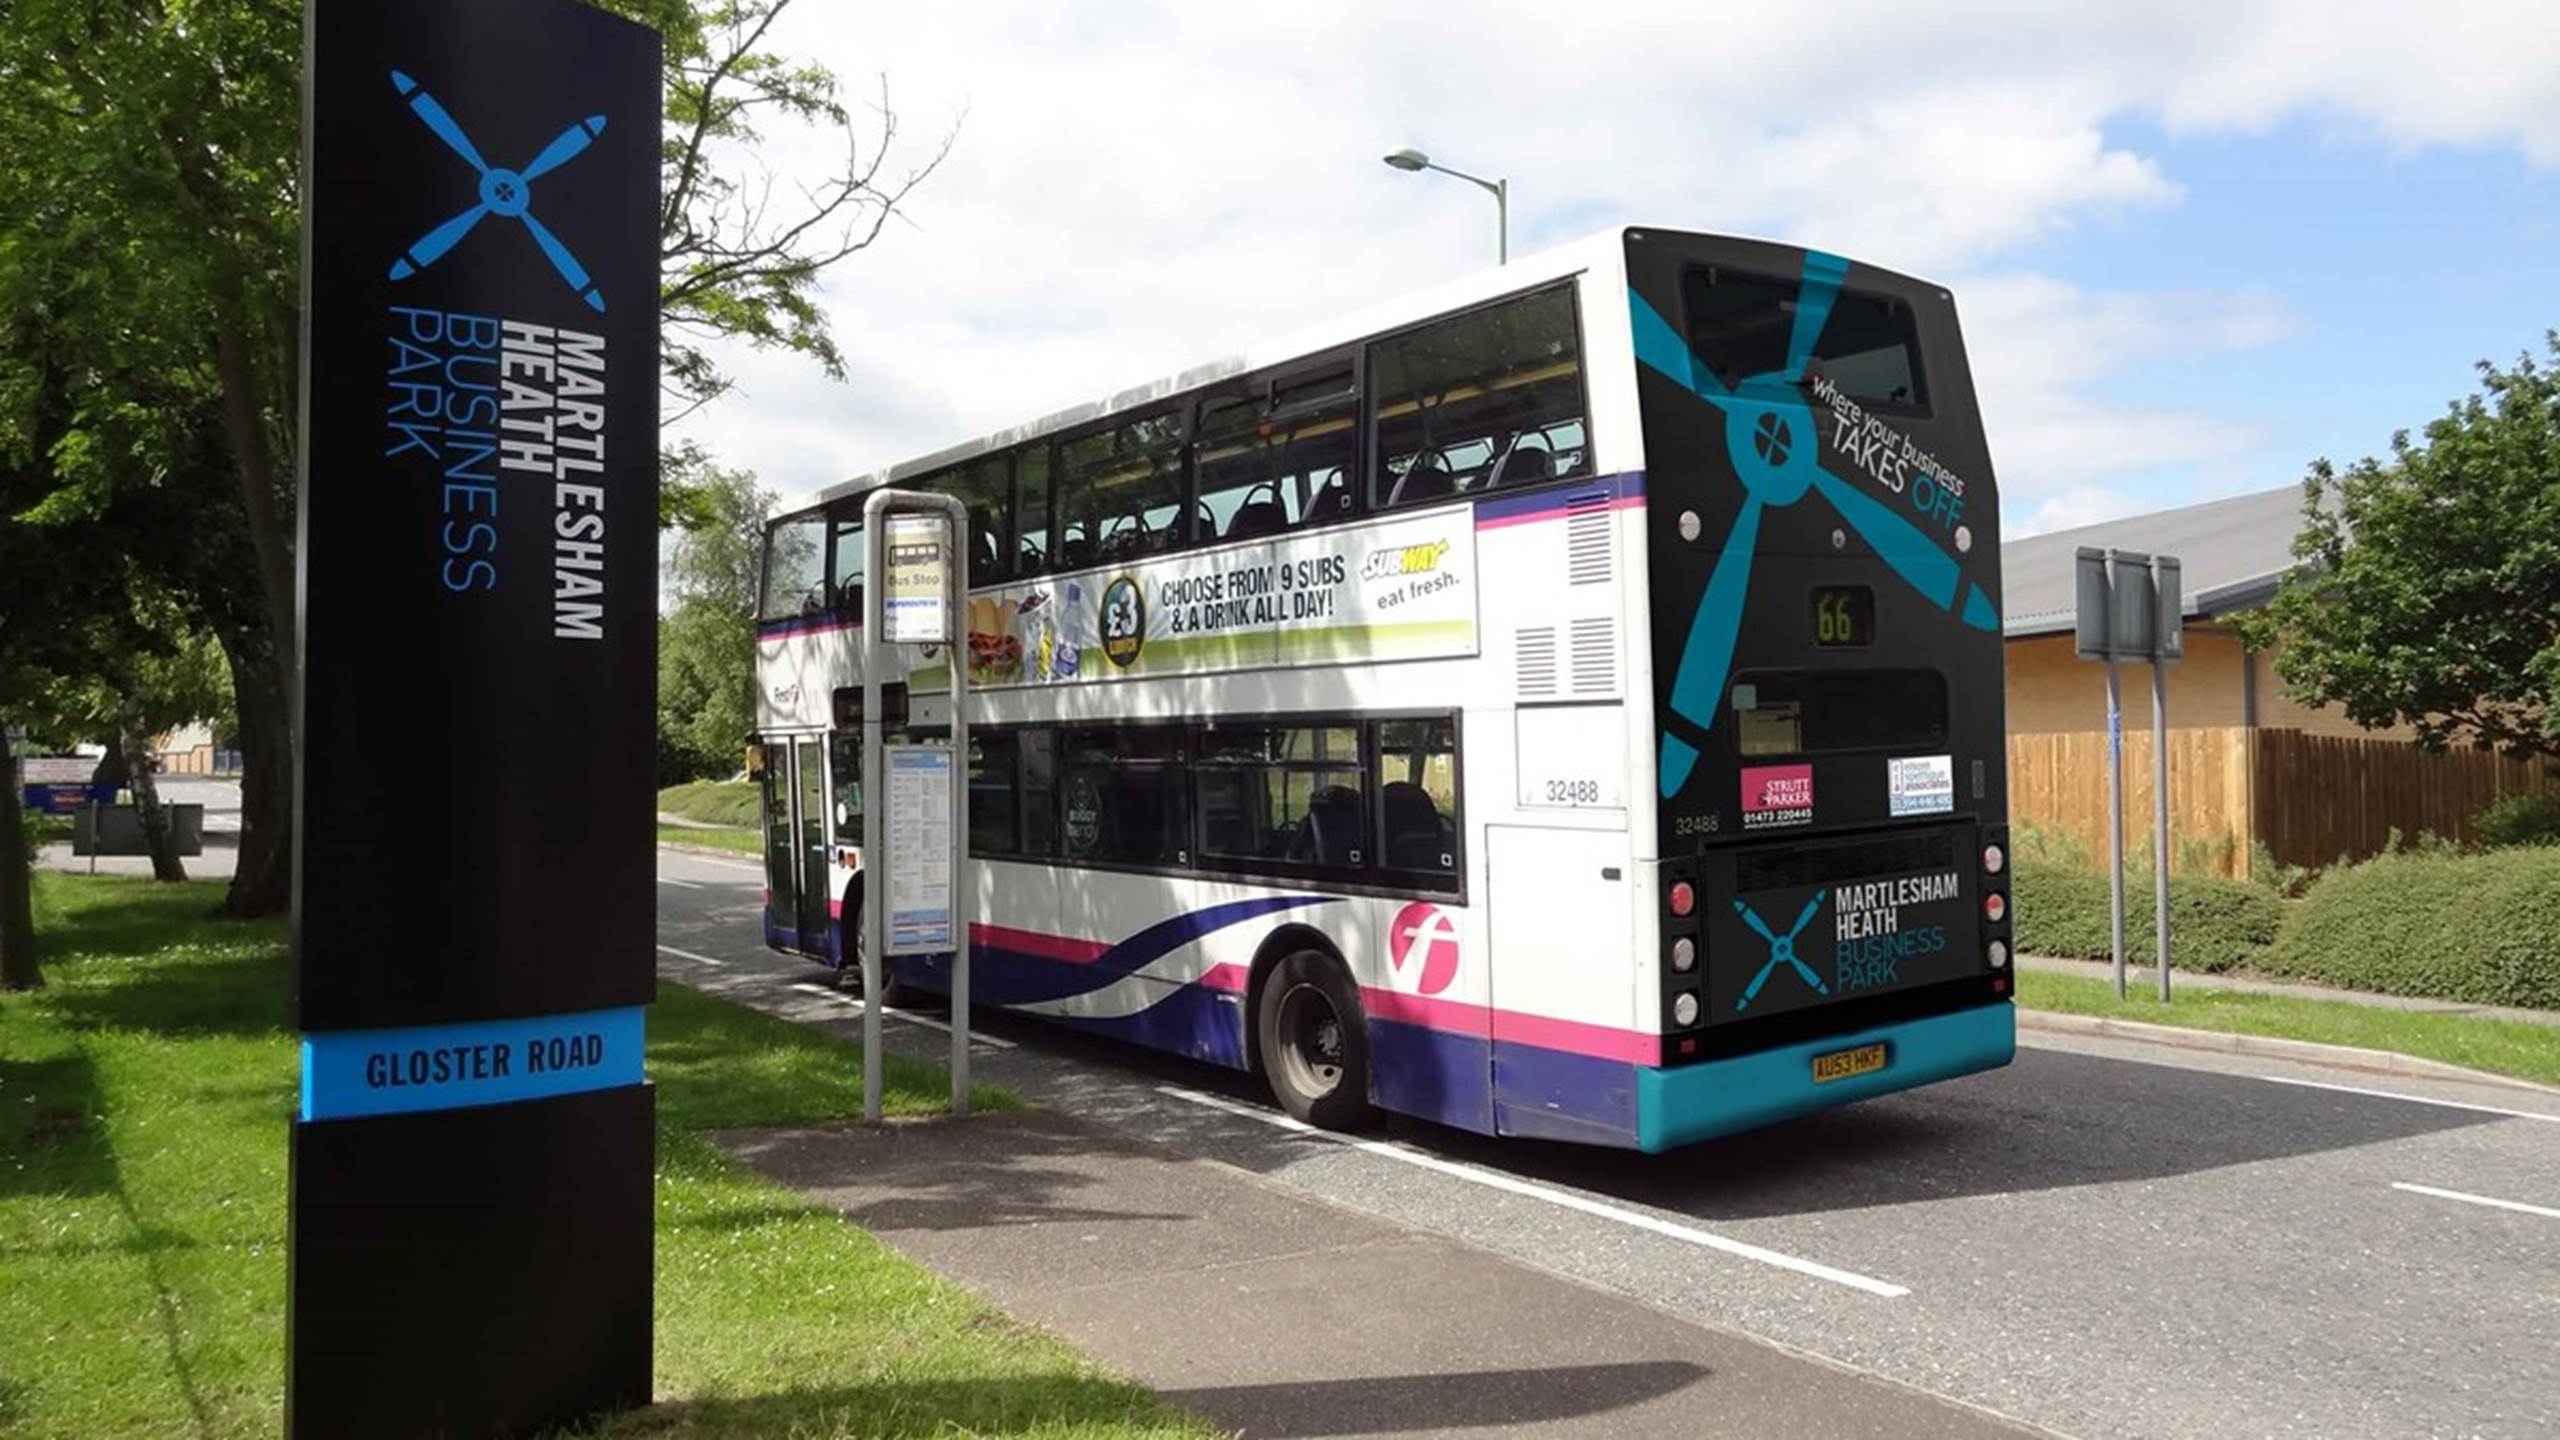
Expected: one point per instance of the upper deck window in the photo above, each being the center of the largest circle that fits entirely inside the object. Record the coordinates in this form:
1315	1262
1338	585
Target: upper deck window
1271	459
1740	324
1120	492
795	567
1489	398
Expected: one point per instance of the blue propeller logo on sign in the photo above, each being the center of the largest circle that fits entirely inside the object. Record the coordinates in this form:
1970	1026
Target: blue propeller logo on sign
503	192
1769	433
1782	949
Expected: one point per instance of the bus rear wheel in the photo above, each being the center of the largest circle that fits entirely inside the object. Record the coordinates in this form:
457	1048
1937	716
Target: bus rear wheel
1314	1041
893	995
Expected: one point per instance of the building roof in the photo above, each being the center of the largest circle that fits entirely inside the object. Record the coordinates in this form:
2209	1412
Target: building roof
2231	553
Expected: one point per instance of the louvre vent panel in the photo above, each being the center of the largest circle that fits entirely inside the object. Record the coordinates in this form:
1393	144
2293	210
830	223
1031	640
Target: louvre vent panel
1535	649
1595	655
1587	539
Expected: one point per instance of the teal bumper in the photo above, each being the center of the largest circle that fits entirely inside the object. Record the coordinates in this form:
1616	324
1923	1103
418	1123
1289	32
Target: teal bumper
1699	1102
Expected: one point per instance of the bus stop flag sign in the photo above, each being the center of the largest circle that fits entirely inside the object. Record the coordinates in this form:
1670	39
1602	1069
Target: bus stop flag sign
471	1230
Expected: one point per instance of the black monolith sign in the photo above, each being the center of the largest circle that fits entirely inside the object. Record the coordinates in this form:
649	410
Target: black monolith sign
474	900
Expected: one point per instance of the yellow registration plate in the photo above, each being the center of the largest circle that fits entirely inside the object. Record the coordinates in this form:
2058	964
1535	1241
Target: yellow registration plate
1841	1064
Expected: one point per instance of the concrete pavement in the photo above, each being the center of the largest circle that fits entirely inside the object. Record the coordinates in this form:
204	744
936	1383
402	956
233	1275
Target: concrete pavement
2105	1239
1274	1313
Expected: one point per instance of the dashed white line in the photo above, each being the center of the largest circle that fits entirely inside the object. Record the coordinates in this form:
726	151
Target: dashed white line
689	955
2469	1199
1565	1199
2412	1099
679	884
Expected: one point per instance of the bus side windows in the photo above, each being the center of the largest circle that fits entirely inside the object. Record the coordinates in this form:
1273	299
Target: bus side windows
795	567
1290	795
1418	795
1490	398
993	791
844	569
1125	796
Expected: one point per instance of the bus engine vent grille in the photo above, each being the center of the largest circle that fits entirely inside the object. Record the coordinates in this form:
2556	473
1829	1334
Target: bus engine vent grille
1586	538
1822	864
1595	655
1535	651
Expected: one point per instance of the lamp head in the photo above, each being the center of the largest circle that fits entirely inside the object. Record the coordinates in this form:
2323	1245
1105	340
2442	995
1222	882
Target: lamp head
1408	159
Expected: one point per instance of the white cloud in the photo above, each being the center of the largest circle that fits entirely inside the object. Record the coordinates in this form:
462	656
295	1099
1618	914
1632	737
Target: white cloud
1141	186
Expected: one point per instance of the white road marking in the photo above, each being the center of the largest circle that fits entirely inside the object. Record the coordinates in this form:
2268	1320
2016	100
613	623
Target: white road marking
2469	1199
2412	1099
927	1021
680	884
696	857
689	955
1566	1199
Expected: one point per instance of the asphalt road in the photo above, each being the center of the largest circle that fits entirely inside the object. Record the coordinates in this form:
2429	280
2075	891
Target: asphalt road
2105	1239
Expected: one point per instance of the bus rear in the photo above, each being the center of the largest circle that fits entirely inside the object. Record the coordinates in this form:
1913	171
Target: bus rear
1829	906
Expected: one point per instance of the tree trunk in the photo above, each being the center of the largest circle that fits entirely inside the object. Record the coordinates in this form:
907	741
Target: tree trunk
18	969
140	765
263	882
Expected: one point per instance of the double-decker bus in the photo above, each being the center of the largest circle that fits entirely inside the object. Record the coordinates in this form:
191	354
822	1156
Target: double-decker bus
1564	704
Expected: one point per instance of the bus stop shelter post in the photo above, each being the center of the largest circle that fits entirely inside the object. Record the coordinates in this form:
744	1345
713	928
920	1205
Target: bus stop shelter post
963	887
2160	815
875	904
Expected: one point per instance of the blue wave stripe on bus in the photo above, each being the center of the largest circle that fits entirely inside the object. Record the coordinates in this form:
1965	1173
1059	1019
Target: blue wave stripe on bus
1013	983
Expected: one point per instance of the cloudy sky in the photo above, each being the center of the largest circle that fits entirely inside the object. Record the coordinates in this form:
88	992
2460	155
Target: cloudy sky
2194	244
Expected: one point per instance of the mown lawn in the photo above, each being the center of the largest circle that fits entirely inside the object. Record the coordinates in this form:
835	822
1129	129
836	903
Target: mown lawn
2505	1047
743	842
143	1101
715	802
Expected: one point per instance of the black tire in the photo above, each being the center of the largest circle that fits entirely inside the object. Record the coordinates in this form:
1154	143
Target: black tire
1314	1041
849	976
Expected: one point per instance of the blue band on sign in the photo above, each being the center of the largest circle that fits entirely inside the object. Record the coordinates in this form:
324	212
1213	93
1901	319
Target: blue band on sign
347	1073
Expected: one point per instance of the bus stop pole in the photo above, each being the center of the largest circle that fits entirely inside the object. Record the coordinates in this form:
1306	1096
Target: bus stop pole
875	820
2115	822
963	887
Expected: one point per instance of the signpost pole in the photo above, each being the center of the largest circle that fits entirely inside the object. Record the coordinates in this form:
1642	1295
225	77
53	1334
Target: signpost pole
962	887
2168	633
2115	824
875	793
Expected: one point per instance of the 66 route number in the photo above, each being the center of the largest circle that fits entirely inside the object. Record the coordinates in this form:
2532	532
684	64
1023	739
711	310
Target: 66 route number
1573	792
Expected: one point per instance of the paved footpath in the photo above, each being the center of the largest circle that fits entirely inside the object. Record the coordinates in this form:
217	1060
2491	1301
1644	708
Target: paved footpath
1274	1314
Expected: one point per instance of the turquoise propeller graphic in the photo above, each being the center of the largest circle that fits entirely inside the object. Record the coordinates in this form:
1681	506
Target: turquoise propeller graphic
1782	950
1771	439
503	192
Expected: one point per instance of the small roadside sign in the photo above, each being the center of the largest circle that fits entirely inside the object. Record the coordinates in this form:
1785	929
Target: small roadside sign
919	849
915	608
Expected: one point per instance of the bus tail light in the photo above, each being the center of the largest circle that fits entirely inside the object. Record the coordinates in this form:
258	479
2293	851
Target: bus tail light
1684	1009
1684	897
1995	907
1684	954
1994	859
1997	952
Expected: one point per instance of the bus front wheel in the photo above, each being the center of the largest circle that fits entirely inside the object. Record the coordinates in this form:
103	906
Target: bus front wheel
1314	1041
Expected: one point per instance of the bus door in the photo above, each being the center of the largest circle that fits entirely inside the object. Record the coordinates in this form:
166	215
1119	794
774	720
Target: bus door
809	792
781	839
1562	936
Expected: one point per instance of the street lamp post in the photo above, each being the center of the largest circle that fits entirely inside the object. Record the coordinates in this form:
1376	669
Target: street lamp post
1411	159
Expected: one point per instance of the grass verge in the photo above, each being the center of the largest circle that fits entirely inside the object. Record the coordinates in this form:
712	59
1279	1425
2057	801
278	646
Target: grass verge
742	842
714	802
2503	1047
143	1102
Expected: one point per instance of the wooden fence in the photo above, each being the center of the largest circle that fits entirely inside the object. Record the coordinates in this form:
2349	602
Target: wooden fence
2308	798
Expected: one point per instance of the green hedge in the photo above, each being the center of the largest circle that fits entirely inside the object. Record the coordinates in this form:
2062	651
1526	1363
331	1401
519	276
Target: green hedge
2214	924
2478	928
714	802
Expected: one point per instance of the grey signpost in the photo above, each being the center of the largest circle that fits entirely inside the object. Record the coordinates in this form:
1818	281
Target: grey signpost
915	596
2129	609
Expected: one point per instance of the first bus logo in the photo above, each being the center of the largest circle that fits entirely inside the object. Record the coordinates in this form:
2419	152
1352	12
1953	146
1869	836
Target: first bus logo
1427	934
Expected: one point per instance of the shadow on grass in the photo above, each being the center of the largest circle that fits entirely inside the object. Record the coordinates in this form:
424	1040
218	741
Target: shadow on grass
51	1130
235	995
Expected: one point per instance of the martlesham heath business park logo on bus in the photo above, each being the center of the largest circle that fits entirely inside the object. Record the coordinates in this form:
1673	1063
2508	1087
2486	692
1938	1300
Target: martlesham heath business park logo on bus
504	414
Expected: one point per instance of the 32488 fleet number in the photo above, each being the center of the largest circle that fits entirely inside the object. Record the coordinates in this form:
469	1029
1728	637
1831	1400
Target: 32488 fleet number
1573	792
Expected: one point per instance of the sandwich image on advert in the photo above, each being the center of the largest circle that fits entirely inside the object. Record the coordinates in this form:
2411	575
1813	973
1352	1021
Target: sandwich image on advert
995	651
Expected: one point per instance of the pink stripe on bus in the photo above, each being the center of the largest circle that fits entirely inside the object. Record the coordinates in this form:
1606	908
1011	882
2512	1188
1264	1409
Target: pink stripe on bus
1033	942
1457	1017
1553	512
